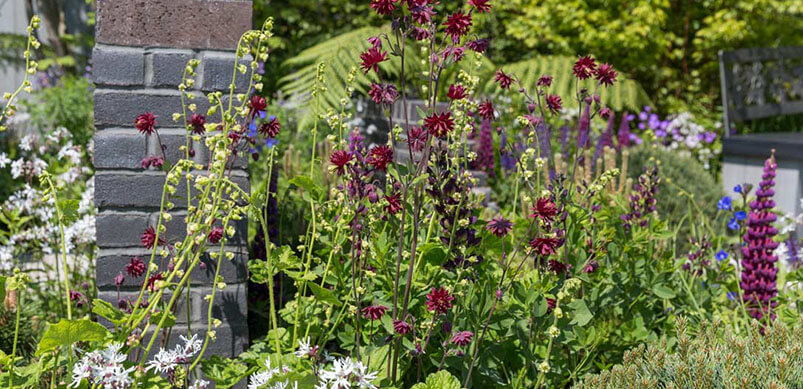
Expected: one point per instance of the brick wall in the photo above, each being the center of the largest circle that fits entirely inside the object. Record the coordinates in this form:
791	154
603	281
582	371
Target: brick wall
142	49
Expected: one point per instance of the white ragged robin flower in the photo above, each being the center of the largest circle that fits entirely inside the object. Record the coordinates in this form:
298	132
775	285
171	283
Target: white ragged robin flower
199	384
103	369
166	361
260	379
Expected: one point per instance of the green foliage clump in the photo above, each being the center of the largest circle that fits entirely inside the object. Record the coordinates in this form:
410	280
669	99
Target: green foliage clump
687	193
28	334
68	104
714	357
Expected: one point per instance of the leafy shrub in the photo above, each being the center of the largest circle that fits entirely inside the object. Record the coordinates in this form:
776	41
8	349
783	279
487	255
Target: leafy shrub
713	357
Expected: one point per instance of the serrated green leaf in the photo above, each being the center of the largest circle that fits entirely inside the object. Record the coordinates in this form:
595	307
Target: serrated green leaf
440	380
224	372
578	311
433	254
69	211
663	291
107	311
324	295
68	332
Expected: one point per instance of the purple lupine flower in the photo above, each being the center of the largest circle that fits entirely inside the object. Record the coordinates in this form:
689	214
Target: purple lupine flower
624	132
544	145
759	271
584	127
564	139
642	201
485	150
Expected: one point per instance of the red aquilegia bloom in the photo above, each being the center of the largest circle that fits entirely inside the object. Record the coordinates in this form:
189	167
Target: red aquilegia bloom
546	246
149	238
439	124
457	25
584	67
151	284
146	123
545	209
215	235
371	59
374	312
504	80
383	7
499	226
456	92
401	327
462	338
383	94
271	128
417	138
339	160
394	203
196	122
439	301
380	156
554	103
605	74
478	45
480	5
486	109
136	268
544	80
257	104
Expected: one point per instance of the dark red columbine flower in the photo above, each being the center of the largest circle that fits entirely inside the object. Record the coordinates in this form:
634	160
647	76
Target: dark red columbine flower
394	203
499	226
456	92
146	123
558	267
455	52
605	113
584	67
457	25
383	94
375	41
149	238
152	281
417	138
486	109
257	104
401	327
462	338
550	304
383	7
478	45
136	268
504	80
546	246
422	14
372	58
554	103
151	160
605	74
374	312
380	156
339	160
420	34
76	295
270	128
545	209
439	301
215	235
197	121
591	266
544	80
480	5
439	124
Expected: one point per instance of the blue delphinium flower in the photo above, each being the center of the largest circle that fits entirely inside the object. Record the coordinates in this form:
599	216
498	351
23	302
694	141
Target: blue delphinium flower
724	203
271	142
737	189
733	224
740	215
722	255
732	296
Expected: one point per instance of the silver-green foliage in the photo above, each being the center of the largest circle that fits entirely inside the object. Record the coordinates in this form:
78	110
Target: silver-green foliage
713	358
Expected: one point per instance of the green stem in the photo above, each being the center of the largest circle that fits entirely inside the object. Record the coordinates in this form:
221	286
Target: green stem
16	338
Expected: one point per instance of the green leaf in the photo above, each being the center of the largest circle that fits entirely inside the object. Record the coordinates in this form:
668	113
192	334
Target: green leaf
663	291
66	333
324	295
107	311
433	254
224	372
3	288
69	211
579	312
170	320
440	380
307	184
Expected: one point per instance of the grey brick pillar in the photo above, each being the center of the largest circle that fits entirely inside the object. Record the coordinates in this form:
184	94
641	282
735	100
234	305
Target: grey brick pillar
141	51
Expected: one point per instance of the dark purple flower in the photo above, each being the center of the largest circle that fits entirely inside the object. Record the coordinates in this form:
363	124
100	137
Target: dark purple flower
339	160
554	103
478	45
215	234
584	67
605	113
371	59
544	209
196	122
499	226
149	238
462	338
383	7
439	124
544	80
401	327
380	156
545	246
439	301
422	14
605	74
504	80
456	92
136	268
486	109
383	94
146	123
270	128
457	25
480	5
417	137
374	312
591	266
394	203
759	269
485	147
256	104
